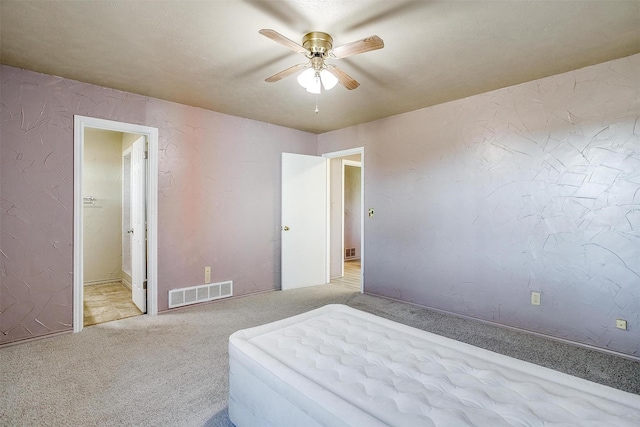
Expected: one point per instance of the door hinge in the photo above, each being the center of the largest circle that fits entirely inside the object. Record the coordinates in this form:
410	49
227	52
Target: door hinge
144	285
146	154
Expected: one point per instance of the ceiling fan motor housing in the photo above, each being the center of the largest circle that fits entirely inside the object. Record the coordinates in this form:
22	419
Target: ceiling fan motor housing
317	43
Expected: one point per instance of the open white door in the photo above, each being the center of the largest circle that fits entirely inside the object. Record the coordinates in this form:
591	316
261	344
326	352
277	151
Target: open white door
304	221
138	226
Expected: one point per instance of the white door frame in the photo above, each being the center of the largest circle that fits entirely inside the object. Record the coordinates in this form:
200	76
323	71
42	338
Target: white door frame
79	125
138	223
344	153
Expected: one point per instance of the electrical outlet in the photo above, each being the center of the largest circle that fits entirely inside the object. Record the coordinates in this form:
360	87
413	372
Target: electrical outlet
535	298
370	212
621	324
207	275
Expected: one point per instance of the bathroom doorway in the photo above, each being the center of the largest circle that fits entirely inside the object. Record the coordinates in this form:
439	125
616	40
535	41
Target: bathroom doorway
143	217
108	203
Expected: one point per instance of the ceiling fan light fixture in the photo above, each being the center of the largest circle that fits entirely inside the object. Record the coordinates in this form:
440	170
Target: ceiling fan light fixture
329	81
315	86
307	77
313	80
310	80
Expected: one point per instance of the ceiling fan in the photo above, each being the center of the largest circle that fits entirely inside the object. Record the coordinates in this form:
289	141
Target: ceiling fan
317	47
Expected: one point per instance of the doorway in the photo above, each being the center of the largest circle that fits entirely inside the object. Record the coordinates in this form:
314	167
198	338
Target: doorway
308	221
352	212
346	218
107	212
135	221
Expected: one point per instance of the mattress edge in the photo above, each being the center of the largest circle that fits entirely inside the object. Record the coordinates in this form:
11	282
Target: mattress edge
241	339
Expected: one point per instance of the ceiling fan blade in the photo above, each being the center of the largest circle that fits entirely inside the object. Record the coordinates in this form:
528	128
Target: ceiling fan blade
284	73
277	37
360	46
345	79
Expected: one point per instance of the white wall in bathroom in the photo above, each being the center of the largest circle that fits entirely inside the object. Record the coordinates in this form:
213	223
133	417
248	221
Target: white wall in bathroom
102	179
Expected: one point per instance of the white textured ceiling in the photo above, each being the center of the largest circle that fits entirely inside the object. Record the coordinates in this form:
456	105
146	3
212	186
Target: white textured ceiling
209	53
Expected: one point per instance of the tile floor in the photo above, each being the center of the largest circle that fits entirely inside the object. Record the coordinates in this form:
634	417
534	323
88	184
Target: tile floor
107	302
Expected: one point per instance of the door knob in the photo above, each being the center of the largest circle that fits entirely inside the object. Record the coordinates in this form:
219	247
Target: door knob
286	228
130	230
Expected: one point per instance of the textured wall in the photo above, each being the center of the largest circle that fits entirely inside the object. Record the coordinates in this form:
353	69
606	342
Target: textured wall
533	187
219	201
102	179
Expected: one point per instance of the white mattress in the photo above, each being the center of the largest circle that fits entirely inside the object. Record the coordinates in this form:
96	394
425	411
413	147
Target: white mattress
340	366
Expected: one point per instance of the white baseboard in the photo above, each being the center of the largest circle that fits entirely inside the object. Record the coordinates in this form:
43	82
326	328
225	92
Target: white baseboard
515	328
102	282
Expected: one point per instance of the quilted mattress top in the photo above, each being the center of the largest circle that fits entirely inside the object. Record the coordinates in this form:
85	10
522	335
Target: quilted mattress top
405	376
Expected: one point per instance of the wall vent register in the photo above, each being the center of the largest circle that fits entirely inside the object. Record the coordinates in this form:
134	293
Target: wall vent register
202	293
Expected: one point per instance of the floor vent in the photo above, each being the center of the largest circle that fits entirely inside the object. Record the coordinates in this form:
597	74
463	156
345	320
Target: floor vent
202	293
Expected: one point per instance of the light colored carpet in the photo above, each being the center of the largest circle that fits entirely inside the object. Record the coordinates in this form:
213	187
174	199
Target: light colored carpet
172	369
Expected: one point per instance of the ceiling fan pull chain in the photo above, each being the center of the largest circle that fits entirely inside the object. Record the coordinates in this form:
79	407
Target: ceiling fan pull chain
317	104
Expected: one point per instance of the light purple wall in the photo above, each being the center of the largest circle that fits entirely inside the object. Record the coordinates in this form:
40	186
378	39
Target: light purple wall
533	187
219	201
